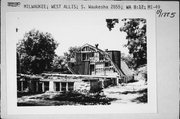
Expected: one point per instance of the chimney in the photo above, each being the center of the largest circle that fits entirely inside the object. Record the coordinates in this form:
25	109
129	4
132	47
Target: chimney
96	45
116	57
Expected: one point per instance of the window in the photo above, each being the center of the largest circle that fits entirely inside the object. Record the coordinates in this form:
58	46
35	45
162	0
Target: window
63	86
57	85
83	56
101	57
46	86
91	54
106	64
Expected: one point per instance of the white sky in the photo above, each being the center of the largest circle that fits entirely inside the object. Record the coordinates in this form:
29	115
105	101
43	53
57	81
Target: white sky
73	28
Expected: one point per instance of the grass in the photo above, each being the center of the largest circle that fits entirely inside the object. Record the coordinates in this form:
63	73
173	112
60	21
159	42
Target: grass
143	98
84	99
21	94
68	98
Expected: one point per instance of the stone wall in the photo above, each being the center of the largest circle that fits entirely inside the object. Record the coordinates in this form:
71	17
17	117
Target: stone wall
82	87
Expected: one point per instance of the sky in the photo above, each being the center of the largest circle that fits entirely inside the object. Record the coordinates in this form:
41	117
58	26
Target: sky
74	28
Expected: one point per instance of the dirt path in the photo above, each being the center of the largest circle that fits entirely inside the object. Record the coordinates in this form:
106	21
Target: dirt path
131	93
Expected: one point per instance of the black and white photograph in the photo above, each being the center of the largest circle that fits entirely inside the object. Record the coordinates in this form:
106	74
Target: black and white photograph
89	60
74	60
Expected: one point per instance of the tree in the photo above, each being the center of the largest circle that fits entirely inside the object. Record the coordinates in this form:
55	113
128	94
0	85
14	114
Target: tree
128	59
136	37
111	23
72	52
36	52
60	65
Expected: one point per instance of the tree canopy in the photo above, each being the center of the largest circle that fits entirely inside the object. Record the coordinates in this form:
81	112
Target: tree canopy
60	65
136	38
35	52
72	52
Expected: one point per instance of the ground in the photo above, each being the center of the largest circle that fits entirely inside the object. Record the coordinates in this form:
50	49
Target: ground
134	92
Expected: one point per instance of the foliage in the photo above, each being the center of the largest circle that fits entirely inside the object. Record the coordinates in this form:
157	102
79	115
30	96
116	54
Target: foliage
36	52
111	23
129	60
72	52
59	64
67	98
136	37
142	73
143	98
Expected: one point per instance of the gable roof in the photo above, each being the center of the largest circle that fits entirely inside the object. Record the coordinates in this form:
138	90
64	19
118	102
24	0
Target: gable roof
93	47
125	69
122	71
119	71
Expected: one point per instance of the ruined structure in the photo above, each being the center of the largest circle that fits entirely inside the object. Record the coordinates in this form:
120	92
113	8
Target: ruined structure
92	69
93	61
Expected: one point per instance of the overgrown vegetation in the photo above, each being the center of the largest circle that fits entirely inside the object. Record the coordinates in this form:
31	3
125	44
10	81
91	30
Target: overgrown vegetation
35	52
136	38
69	98
21	94
72	52
59	65
143	98
83	99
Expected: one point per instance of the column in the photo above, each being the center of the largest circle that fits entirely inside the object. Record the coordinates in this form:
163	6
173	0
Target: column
59	86
66	86
51	88
54	86
117	81
42	86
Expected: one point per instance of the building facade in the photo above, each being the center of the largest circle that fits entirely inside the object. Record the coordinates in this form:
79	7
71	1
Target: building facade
91	60
92	69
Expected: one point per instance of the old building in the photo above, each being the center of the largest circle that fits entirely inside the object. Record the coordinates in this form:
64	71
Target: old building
92	69
93	61
63	83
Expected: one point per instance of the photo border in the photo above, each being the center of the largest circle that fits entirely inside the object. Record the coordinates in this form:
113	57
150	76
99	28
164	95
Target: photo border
158	115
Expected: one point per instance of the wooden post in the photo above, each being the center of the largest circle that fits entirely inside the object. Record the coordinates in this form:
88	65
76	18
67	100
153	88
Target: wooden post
59	86
117	81
66	86
51	88
42	86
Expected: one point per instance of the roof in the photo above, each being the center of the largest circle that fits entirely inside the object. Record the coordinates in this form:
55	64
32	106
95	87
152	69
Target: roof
126	70
107	55
93	47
